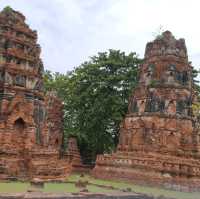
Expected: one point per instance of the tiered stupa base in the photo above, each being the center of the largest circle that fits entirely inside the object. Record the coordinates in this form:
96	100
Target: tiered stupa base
150	153
43	164
46	165
170	171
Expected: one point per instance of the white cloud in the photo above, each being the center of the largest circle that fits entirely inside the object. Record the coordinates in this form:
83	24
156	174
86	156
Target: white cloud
72	30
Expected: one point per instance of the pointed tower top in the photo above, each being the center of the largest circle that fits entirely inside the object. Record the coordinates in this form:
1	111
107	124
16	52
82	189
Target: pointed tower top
12	19
8	12
166	45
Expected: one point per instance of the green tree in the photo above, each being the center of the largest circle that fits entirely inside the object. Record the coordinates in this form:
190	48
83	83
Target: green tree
195	74
96	96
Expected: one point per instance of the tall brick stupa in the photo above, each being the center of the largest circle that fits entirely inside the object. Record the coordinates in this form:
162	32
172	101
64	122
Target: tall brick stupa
159	137
31	128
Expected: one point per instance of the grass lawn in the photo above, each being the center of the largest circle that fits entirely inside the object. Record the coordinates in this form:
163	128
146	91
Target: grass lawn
138	188
19	187
13	187
60	188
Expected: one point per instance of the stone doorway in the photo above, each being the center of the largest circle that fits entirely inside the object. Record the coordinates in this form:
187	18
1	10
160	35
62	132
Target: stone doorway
20	127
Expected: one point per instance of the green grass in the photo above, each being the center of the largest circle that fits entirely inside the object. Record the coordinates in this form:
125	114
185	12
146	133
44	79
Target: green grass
14	187
95	189
60	188
19	187
139	188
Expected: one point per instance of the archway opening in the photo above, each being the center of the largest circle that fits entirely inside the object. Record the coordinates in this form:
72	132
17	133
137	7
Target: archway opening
19	124
56	142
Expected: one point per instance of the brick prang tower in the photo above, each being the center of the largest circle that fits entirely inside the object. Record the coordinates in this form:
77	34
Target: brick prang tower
29	144
159	138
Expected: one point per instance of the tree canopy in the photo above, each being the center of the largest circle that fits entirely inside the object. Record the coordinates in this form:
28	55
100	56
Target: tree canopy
95	96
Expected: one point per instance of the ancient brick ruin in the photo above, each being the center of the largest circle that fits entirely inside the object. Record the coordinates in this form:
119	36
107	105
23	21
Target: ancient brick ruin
74	154
31	125
159	137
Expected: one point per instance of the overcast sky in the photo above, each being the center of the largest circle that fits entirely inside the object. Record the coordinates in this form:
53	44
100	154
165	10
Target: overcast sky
69	31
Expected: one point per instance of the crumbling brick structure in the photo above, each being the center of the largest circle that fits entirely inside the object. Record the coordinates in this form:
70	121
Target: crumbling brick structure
74	154
31	131
159	137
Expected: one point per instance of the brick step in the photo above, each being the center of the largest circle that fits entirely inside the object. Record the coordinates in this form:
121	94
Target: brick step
4	176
